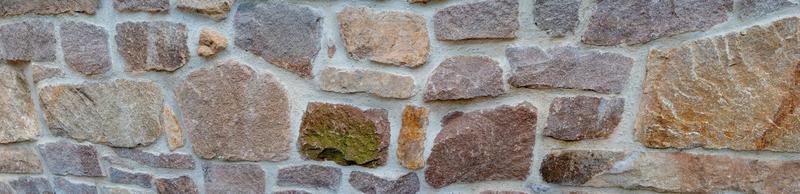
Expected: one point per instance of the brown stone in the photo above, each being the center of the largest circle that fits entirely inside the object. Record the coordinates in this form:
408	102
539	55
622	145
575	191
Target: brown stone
737	91
568	68
63	185
215	9
233	178
122	176
371	184
141	5
235	113
483	145
152	46
85	47
47	7
465	77
19	160
477	20
383	84
19	120
345	134
390	37
757	8
557	17
211	42
411	143
31	40
172	128
43	72
182	184
315	176
161	160
29	184
583	117
64	158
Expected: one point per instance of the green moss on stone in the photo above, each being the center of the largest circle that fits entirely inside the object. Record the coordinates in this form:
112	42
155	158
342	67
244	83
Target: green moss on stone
342	134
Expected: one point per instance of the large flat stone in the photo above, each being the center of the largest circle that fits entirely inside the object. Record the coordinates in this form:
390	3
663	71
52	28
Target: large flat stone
557	17
756	8
223	178
372	184
63	185
214	9
182	184
160	160
19	121
465	77
47	7
736	91
85	47
390	37
30	40
152	46
477	20
235	113
19	160
141	5
381	84
29	184
583	117
64	158
314	176
411	143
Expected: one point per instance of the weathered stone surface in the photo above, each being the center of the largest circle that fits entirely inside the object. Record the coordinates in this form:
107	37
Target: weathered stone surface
19	160
478	20
141	5
85	47
285	35
172	128
345	134
161	160
568	68
32	40
182	184
152	46
63	185
47	7
411	143
738	91
215	9
235	113
755	8
117	175
18	121
43	72
419	1
381	84
371	184
483	145
28	184
465	77
5	188
123	190
315	176
583	117
635	22
292	192
557	17
391	37
670	172
211	42
234	178
118	113
64	158
503	192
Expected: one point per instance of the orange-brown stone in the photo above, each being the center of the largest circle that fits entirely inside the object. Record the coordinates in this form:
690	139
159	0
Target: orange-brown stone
411	143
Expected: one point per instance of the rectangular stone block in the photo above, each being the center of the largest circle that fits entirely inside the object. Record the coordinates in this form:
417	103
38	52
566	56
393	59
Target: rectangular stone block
381	84
47	7
31	40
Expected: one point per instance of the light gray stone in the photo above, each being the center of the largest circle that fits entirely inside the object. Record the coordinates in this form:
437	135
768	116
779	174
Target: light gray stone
29	184
19	160
381	84
223	178
756	8
121	176
315	176
162	160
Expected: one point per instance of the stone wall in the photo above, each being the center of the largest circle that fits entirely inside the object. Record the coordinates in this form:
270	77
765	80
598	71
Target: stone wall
446	96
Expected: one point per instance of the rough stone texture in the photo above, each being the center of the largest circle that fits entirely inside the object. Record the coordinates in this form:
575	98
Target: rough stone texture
172	128
63	158
152	46
292	192
568	68
235	113
670	172
28	184
43	72
411	143
483	145
755	8
635	22
19	160
161	160
315	176
583	117
345	134
557	17
122	190
478	20
738	91
285	35
234	178
182	184
390	37
465	77
142	5
215	9
371	184
117	175
63	185
383	84
19	122
211	42
31	40
47	7
5	188
85	47
118	113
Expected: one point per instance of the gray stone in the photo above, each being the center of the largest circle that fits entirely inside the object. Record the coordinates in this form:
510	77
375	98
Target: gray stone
583	117
285	35
345	134
371	184
63	185
47	7
162	160
381	84
64	158
19	121
141	5
85	47
152	46
235	113
465	77
234	178
292	192
390	37
315	176
28	184
182	184
123	190
32	40
6	188
117	175
215	9
557	17
44	72
756	8
478	20
19	160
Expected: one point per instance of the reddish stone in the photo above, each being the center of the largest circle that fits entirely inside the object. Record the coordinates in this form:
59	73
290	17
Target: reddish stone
47	7
32	40
141	5
478	20
182	184
371	184
465	77
583	117
64	158
152	46
85	47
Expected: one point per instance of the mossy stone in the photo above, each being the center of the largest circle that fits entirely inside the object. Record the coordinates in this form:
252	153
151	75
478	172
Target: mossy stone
345	134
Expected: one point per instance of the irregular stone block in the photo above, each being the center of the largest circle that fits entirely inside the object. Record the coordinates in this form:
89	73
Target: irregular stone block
18	121
483	145
182	184
211	42
234	178
756	8
19	160
152	46
172	128
122	190
285	35
161	160
63	185
465	77
568	68
64	158
390	37
85	47
215	9
315	176
142	5
557	17
636	22
478	20
28	184
47	7
31	40
117	175
345	134
383	84
371	184
235	113
411	143
736	91
118	113
43	72
583	117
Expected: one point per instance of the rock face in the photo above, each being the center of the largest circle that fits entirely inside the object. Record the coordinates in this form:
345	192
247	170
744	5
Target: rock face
32	40
164	160
285	35
85	47
43	72
152	46
235	113
756	8
391	37
117	175
636	22
19	160
118	113
583	117
172	128
315	176
28	184
19	122
182	184
345	134
557	17
211	42
371	184
484	145
65	186
411	143
465	77
234	178
713	110
141	5
478	20
388	85
215	9
47	7
568	68
64	158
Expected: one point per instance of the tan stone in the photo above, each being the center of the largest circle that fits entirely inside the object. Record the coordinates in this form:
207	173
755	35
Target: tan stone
211	42
18	121
215	9
43	72
19	160
172	128
381	84
411	143
391	37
